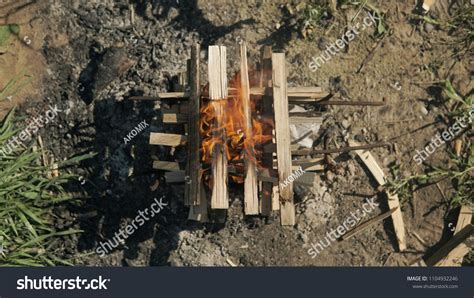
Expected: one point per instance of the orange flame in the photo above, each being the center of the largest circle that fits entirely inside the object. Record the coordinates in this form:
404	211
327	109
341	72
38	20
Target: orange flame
237	141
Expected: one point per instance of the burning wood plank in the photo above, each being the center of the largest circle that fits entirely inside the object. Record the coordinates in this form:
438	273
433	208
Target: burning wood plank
455	257
193	195
393	201
280	104
250	183
167	139
218	94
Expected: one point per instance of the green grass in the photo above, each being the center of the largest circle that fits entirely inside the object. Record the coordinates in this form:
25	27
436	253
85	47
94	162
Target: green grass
381	26
460	27
27	199
6	32
460	169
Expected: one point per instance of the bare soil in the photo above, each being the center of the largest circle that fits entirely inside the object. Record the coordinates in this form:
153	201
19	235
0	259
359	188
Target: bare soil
69	37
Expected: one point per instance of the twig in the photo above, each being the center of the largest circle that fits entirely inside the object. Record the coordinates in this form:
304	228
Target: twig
349	103
339	150
413	131
442	193
371	54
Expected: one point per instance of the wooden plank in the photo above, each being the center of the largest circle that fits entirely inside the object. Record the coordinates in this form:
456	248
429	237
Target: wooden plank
166	165
275	198
217	69
309	167
283	141
306	120
367	224
296	93
162	95
192	192
175	177
268	202
453	243
175	118
455	257
182	108
250	183
393	201
167	139
199	212
265	203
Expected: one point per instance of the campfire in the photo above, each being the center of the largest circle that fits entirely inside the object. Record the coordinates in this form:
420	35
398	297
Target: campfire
238	130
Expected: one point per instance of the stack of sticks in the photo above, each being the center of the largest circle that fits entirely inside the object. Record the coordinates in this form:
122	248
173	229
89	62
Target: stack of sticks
263	192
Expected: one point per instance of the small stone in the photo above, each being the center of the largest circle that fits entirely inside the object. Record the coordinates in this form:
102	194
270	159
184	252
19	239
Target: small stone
322	43
330	176
359	138
351	168
345	123
423	110
428	27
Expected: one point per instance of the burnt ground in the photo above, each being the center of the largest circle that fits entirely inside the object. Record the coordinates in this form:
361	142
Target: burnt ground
76	46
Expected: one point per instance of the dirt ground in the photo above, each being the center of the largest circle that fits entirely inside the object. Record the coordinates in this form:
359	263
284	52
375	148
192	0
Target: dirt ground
70	37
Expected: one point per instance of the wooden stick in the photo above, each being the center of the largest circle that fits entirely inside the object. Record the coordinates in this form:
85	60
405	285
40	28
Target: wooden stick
218	94
455	257
192	191
393	201
250	183
371	54
162	95
174	177
338	150
306	120
167	139
454	242
344	103
295	92
280	104
199	212
166	165
174	118
367	224
268	200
